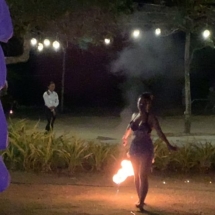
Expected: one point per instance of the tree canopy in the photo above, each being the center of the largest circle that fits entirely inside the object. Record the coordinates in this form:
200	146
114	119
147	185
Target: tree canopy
76	21
70	19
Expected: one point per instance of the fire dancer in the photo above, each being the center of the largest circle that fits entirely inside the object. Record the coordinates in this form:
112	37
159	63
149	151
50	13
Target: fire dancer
141	148
51	102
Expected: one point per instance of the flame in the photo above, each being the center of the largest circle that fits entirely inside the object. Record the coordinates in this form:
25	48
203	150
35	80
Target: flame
124	172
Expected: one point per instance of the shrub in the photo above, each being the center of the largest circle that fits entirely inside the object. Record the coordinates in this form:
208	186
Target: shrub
191	157
32	150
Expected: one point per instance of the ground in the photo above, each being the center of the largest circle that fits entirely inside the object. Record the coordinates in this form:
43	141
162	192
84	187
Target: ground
96	194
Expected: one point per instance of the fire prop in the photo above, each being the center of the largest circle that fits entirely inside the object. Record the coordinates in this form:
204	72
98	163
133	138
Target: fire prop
124	172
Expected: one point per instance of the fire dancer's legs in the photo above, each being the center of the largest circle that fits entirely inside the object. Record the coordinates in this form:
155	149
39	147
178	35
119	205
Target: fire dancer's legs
136	166
141	165
145	167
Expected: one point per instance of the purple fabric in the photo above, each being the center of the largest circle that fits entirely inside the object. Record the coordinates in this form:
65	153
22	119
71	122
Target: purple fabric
6	31
3	130
4	176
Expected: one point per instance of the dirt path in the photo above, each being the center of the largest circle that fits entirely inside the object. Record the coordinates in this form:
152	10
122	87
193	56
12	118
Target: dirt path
31	194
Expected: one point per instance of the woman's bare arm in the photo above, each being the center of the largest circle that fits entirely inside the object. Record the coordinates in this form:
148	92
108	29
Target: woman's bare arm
161	135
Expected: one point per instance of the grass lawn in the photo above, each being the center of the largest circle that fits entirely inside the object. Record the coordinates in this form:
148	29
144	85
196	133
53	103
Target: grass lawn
95	194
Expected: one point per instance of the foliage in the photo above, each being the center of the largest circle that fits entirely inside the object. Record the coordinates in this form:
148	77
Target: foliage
32	150
73	19
191	157
80	22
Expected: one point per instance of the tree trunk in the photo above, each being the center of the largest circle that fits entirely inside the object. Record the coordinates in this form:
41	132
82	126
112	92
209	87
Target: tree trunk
63	79
22	58
187	113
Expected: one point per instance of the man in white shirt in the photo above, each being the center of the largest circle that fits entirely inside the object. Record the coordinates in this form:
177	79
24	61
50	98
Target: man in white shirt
51	102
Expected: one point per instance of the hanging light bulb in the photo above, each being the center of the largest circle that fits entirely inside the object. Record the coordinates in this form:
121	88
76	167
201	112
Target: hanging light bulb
33	42
56	45
40	47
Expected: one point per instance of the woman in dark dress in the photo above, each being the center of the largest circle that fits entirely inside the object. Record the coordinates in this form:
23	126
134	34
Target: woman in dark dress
141	148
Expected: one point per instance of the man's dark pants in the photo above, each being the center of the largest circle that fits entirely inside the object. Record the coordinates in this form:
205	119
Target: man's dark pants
50	116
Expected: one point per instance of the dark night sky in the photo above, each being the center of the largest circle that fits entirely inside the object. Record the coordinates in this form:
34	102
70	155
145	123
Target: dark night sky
90	82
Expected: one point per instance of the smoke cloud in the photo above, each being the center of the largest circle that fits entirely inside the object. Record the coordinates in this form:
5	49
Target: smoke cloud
149	58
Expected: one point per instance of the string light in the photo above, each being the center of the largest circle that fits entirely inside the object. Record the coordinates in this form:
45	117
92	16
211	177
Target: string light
46	42
206	34
157	31
107	41
56	45
33	42
40	47
136	33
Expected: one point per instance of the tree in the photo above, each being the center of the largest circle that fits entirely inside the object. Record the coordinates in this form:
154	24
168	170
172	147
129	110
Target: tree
74	21
188	16
70	21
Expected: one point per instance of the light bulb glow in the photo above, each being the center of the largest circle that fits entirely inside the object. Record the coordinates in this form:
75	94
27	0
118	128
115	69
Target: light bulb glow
40	47
206	34
136	33
33	42
56	45
46	42
107	41
157	31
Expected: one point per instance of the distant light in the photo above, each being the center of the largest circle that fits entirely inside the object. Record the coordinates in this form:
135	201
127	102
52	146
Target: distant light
158	31
33	42
56	45
107	41
40	47
11	112
136	33
46	42
206	34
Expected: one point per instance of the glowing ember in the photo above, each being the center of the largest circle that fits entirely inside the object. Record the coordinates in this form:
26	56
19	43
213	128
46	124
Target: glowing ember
124	172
